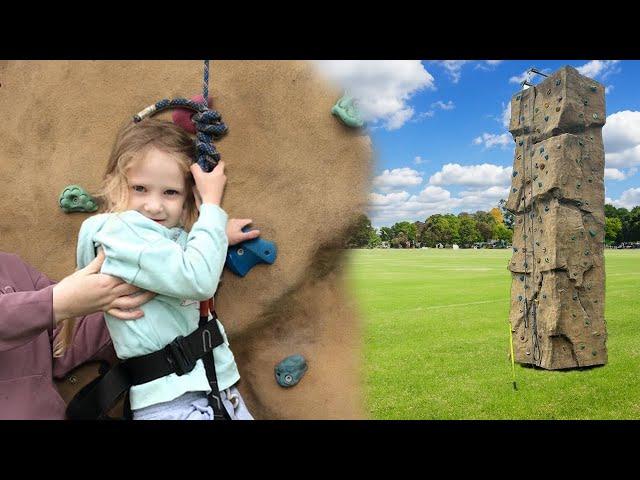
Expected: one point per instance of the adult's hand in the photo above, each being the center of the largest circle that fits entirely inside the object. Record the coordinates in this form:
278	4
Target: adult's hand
87	291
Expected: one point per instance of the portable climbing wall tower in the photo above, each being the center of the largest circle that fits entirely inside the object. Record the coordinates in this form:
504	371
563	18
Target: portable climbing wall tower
557	197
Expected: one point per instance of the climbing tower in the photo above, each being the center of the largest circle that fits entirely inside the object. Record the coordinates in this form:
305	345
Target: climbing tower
557	197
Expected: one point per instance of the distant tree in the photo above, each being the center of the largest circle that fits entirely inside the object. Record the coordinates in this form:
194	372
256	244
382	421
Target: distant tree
506	214
497	215
386	234
360	233
408	229
468	231
501	232
612	229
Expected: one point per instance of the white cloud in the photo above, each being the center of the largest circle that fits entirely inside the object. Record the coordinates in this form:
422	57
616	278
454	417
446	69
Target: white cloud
608	89
390	199
630	198
596	68
382	88
506	114
444	106
453	68
489	140
494	62
519	78
474	175
615	174
621	137
398	177
418	160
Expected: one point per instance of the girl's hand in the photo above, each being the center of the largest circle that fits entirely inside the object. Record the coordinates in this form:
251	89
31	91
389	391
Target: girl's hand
235	234
210	185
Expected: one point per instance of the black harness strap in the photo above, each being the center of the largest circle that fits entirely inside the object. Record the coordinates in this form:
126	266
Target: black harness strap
180	356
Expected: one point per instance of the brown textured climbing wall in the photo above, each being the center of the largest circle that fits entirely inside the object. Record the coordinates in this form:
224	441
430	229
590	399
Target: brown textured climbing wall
557	196
291	166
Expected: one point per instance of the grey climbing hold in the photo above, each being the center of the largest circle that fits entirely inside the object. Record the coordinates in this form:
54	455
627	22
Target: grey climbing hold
290	370
75	199
515	173
595	116
546	118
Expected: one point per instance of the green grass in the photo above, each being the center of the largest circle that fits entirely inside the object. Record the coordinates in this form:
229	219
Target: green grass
436	340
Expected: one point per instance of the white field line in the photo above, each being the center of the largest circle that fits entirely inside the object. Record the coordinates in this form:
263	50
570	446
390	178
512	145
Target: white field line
456	305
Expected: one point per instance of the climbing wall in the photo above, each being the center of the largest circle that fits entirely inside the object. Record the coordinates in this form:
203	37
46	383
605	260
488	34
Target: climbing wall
292	166
557	196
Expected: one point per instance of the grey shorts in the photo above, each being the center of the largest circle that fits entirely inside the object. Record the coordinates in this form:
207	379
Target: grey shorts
195	406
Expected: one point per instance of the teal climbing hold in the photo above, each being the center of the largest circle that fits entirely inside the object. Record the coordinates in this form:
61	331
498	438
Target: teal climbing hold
347	112
515	173
546	118
546	208
75	199
592	233
514	190
546	157
290	370
593	88
521	142
541	149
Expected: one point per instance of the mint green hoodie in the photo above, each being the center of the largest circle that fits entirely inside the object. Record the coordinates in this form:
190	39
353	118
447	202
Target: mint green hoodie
183	269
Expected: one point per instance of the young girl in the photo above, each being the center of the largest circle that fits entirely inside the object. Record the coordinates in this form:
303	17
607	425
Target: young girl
153	238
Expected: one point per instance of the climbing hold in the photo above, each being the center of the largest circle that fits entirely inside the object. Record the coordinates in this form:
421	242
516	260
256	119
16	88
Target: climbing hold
546	260
518	97
541	149
595	116
585	101
580	142
243	257
586	253
514	190
593	88
75	199
515	173
522	278
546	105
578	185
520	297
290	370
592	233
573	237
542	166
515	249
347	112
559	99
546	118
546	208
557	109
590	180
521	142
546	157
594	353
539	184
581	115
549	92
538	243
537	110
575	296
522	118
557	82
544	295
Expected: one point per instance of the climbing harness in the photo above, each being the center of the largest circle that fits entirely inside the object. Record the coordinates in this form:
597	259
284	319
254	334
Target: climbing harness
96	399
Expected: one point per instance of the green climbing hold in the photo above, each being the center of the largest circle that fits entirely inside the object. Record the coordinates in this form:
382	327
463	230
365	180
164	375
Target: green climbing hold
592	233
347	112
573	237
582	347
75	199
546	157
537	110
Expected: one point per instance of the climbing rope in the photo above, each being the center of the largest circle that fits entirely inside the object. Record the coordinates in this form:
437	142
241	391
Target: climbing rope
208	123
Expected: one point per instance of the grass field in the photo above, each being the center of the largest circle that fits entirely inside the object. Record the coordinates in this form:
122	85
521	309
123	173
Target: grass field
436	340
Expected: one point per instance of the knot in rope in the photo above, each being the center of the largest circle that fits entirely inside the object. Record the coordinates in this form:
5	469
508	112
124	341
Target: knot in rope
209	126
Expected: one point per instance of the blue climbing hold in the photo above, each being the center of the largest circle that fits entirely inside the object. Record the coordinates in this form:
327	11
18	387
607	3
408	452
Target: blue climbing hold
290	370
243	257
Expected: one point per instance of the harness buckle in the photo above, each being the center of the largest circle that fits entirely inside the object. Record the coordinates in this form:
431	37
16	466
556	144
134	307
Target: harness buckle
179	356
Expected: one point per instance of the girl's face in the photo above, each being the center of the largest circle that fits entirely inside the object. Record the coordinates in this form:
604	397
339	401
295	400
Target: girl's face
157	188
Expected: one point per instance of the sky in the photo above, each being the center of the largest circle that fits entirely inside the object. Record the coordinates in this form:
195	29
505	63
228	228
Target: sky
439	130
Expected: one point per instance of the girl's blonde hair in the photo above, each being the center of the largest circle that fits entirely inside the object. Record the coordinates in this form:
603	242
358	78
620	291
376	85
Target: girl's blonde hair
133	142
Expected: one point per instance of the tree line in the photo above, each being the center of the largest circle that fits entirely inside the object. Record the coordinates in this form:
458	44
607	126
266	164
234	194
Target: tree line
467	229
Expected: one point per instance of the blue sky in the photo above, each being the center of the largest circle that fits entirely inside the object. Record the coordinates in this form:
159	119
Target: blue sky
440	139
